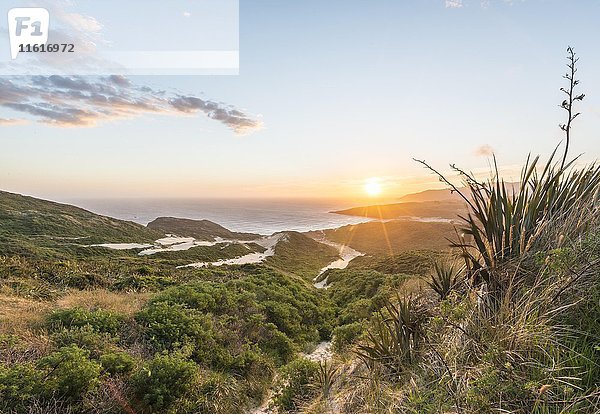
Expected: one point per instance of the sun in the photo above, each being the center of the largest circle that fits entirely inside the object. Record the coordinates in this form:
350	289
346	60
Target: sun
373	187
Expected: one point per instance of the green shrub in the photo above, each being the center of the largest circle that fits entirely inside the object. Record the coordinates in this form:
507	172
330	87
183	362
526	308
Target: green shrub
145	270
69	373
346	335
250	361
285	316
84	337
143	283
98	320
60	274
297	310
355	311
277	345
298	384
204	297
164	379
19	385
117	362
171	326
84	281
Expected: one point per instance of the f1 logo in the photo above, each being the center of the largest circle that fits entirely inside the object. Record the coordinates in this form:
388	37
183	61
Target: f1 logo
27	26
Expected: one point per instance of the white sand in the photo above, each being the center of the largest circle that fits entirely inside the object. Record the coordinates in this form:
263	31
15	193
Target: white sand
347	254
172	239
321	353
171	243
122	246
268	243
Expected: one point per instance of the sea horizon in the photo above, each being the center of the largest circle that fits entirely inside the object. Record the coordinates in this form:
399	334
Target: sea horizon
261	216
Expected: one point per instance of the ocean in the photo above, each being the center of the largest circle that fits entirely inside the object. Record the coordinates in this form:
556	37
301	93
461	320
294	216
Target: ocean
242	215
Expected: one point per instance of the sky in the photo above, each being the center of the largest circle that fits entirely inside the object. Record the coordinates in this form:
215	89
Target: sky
329	96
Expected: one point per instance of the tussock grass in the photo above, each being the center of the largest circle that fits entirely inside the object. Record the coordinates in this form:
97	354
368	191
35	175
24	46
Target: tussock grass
123	303
19	315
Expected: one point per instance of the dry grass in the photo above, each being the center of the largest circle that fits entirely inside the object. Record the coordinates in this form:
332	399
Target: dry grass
414	286
18	314
123	303
22	319
19	319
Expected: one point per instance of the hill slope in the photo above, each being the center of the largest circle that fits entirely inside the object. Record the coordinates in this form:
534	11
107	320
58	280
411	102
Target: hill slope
393	237
28	223
301	255
198	229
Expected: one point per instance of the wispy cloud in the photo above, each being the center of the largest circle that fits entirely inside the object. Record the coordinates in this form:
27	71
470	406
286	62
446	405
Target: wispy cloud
484	151
11	121
453	4
187	14
64	101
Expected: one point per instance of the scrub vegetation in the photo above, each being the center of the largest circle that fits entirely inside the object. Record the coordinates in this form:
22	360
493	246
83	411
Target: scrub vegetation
498	312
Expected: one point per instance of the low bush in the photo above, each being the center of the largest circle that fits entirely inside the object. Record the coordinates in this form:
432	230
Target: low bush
68	373
445	278
277	345
142	283
169	326
117	362
98	320
19	385
346	335
164	379
84	337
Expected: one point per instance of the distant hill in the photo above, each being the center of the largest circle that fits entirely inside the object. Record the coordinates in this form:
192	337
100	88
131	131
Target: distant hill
198	229
443	195
33	227
442	209
431	195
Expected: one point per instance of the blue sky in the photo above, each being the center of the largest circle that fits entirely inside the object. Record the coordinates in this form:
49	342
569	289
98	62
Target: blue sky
340	91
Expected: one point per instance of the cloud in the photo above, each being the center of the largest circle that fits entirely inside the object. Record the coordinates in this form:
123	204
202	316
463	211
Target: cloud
187	14
484	151
71	101
453	4
11	122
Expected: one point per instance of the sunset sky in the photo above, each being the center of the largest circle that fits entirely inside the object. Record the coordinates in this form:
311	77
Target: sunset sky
330	94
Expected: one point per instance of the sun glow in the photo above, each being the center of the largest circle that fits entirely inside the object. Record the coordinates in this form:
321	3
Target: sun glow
373	187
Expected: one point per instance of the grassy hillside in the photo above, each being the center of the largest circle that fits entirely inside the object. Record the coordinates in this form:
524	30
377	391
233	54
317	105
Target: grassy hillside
199	229
393	237
446	209
418	262
301	255
31	226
